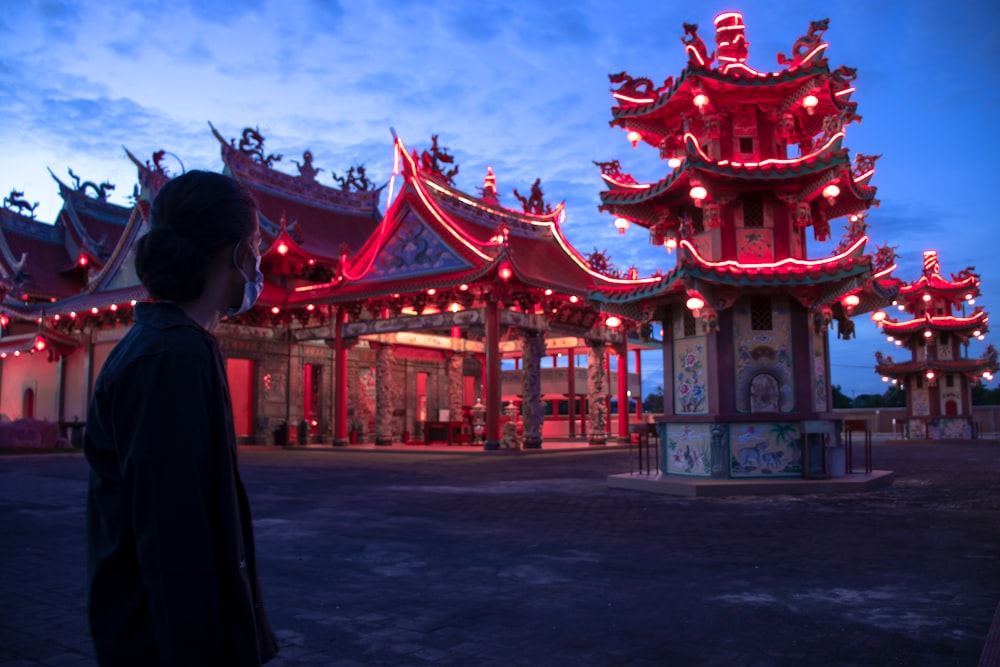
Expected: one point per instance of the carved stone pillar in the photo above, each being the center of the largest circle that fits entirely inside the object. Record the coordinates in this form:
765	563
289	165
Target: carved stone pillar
597	394
384	392
720	451
533	344
456	390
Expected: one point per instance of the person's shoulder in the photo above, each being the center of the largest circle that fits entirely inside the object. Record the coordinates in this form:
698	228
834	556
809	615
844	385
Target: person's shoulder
181	349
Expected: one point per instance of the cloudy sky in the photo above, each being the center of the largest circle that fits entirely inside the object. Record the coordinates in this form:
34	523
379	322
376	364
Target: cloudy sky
519	85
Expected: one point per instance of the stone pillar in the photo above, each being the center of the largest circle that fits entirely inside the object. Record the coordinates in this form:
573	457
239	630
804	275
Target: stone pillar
720	451
571	392
492	381
533	348
456	388
597	393
638	372
384	392
623	399
340	370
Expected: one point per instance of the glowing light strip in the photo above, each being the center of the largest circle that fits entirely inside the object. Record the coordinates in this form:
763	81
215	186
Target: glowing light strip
865	176
383	227
729	15
886	271
693	51
940	320
573	254
631	186
790	261
769	161
524	217
813	53
633	100
845	91
751	70
458	234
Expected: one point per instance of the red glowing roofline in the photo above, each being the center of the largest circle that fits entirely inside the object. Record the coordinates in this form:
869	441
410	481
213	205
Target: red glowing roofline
633	100
790	261
630	186
763	163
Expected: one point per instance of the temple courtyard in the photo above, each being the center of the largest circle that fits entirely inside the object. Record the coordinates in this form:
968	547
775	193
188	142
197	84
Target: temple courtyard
501	558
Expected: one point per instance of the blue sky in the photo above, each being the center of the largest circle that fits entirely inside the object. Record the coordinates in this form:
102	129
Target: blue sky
521	86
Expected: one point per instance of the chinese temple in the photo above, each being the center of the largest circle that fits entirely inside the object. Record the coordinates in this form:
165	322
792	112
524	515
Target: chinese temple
376	327
756	160
939	376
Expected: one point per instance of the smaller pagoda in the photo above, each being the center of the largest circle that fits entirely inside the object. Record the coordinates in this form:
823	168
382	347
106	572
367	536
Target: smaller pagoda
939	377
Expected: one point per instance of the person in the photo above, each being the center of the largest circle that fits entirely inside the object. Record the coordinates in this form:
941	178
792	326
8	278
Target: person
171	565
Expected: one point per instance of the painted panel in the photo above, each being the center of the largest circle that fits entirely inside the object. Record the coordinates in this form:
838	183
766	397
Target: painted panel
765	450
920	404
755	245
950	429
917	429
414	250
690	395
763	352
944	352
819	370
688	449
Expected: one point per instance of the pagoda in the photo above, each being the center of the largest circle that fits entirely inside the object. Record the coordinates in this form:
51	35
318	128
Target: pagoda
939	376
755	160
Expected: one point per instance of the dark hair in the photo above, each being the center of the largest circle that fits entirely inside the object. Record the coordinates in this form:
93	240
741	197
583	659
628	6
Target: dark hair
193	217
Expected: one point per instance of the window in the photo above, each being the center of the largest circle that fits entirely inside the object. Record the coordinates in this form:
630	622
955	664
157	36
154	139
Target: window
949	380
753	210
760	314
746	145
920	382
690	328
698	220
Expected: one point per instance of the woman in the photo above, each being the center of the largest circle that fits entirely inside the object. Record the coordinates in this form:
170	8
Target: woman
172	573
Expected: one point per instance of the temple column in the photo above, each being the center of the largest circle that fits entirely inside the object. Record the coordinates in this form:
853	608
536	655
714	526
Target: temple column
623	401
456	389
492	380
571	390
384	391
340	370
638	372
597	393
533	349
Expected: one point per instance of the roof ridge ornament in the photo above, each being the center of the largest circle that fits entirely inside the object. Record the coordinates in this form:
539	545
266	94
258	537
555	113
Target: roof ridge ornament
307	172
16	200
807	47
252	145
432	162
535	202
100	191
695	47
356	178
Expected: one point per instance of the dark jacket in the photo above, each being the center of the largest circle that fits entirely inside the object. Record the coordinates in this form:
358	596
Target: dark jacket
171	567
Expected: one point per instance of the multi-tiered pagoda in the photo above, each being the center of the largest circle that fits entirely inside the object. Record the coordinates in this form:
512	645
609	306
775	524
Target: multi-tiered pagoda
756	159
939	377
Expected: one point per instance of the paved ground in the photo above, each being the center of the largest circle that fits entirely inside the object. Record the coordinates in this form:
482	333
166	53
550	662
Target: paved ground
506	559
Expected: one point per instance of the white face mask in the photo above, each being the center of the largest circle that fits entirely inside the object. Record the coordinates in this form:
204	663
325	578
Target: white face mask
251	289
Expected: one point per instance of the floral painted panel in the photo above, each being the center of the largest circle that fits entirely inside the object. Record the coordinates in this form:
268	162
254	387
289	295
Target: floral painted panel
690	392
765	450
763	352
951	429
819	370
755	245
917	429
688	449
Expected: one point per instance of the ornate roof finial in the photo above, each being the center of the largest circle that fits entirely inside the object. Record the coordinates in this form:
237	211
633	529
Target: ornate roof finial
695	47
307	172
534	203
931	264
16	200
808	46
252	145
488	192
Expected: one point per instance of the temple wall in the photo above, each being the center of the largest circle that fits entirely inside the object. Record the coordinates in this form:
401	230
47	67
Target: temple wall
29	371
764	354
74	392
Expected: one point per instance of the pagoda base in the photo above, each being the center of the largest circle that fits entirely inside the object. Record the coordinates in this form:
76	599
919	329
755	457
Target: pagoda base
701	487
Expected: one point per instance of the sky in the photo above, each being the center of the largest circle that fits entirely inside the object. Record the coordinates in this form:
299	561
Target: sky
520	86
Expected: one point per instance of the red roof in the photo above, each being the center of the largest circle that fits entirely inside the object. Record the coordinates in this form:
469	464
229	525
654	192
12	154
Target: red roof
976	321
44	273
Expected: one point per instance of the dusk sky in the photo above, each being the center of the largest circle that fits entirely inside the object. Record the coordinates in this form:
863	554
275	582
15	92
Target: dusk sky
521	86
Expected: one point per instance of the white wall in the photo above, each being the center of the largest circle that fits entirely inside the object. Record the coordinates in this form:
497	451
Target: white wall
33	371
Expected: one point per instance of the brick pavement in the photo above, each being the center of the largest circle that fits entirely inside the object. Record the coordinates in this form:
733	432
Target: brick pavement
403	559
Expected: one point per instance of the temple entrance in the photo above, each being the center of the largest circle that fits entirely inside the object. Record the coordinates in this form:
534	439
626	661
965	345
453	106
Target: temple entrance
312	386
240	374
28	404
